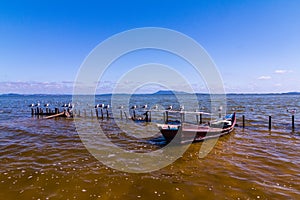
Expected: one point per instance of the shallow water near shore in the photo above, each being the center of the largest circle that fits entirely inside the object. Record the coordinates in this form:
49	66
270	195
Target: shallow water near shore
45	159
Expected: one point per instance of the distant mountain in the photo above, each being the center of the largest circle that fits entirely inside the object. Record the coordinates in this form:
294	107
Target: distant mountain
169	92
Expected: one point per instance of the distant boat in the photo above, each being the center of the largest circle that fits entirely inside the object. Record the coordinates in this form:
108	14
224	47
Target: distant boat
196	133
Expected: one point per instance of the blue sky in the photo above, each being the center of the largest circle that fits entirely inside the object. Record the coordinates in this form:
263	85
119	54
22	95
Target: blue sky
255	44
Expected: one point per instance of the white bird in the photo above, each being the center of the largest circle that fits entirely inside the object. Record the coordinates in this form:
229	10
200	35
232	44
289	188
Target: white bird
46	104
170	107
31	105
145	106
133	107
155	107
121	107
181	107
106	107
38	104
64	105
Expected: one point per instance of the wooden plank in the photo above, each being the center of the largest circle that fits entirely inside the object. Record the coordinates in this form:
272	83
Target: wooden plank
56	115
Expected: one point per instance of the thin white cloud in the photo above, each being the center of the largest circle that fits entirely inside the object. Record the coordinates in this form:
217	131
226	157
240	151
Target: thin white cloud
281	71
264	78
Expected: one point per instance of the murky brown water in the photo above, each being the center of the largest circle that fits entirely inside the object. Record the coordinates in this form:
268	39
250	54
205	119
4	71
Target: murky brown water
45	159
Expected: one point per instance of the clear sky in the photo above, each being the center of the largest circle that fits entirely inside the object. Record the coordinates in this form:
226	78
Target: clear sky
255	44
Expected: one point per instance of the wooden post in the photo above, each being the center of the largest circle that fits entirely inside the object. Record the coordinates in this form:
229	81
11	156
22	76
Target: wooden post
125	115
182	116
134	114
56	111
101	110
37	111
197	119
78	113
150	116
92	113
32	111
167	117
47	110
121	114
97	113
84	112
200	118
243	117
107	115
270	122
164	117
293	123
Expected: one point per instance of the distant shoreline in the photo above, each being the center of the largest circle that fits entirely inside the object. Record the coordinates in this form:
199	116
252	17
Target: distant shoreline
161	92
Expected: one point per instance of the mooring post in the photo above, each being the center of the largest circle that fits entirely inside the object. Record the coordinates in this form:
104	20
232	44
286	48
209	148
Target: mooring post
243	117
167	117
133	114
37	111
97	113
56	111
107	115
293	123
270	122
200	118
32	111
78	113
121	114
182	116
47	110
125	115
197	119
84	112
92	113
101	110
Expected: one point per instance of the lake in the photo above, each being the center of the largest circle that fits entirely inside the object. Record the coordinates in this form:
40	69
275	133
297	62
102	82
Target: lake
46	159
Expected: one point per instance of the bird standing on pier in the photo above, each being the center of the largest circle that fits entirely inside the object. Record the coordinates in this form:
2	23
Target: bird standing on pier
145	106
46	105
133	107
106	107
170	107
37	105
181	107
31	105
155	107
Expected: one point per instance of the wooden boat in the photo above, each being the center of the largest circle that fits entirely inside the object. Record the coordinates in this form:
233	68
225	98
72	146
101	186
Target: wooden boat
191	132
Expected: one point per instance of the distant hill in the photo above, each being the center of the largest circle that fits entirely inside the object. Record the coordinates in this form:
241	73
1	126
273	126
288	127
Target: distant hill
169	92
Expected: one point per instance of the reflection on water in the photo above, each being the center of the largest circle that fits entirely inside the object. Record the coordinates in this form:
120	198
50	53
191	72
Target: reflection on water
45	159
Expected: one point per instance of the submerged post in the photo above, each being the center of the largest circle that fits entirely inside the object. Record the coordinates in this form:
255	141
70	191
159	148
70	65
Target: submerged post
270	122
243	121
293	123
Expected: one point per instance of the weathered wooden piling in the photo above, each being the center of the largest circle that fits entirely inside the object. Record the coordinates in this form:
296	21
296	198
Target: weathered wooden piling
293	123
270	122
243	118
107	114
200	118
96	110
167	117
32	111
101	110
56	110
121	114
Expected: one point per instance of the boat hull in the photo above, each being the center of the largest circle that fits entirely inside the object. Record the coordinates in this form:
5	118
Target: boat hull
194	133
